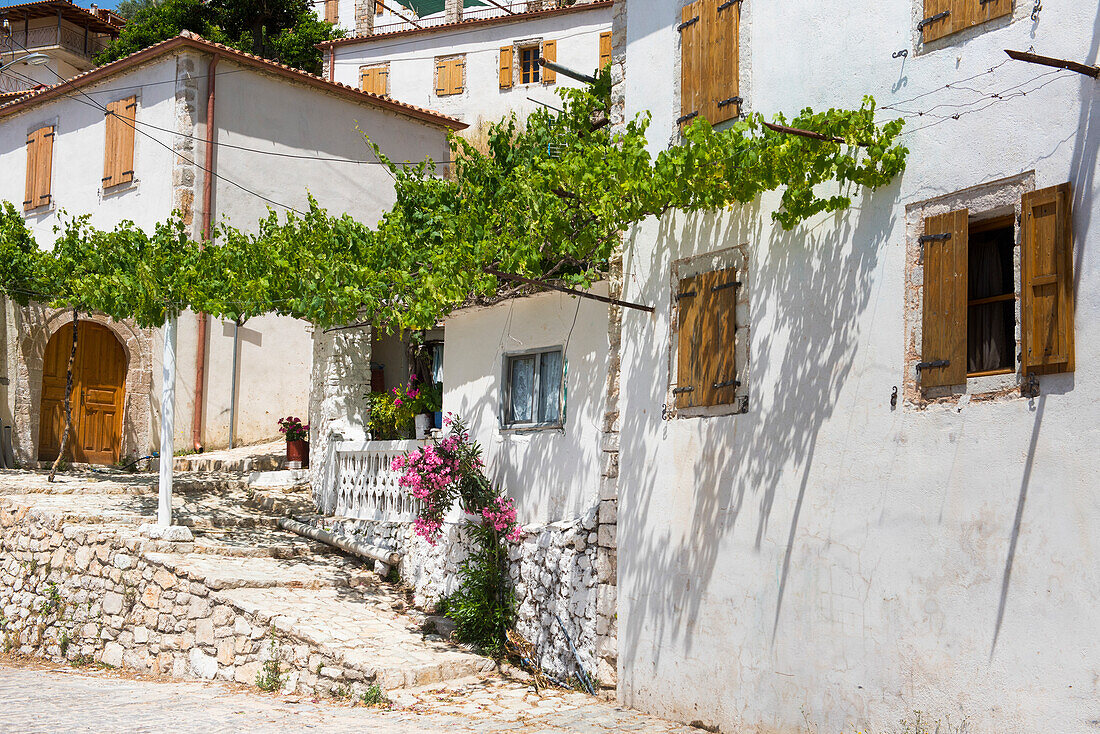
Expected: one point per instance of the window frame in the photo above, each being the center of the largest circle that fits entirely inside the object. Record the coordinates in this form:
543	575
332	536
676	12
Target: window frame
536	48
989	225
506	421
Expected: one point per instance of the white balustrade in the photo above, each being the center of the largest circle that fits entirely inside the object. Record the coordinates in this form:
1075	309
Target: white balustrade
366	485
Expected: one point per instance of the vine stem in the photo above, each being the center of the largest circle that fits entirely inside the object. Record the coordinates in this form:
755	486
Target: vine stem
68	400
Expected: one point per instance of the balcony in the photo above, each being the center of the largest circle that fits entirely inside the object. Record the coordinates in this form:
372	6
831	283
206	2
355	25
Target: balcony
72	39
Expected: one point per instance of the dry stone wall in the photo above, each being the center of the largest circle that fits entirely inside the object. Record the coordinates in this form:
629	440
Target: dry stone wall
97	594
555	569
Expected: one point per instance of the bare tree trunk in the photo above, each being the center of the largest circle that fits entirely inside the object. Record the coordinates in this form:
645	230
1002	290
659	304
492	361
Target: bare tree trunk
68	400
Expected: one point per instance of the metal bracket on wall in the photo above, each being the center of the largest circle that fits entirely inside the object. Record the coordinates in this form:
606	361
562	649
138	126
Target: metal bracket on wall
929	21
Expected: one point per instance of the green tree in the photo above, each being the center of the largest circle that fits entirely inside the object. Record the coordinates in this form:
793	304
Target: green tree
282	30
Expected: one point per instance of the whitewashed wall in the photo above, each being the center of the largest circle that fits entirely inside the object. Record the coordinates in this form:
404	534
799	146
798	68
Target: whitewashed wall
825	563
553	474
412	64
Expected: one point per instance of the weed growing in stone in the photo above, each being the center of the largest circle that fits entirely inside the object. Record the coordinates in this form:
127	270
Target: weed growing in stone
375	696
63	643
269	678
52	600
341	691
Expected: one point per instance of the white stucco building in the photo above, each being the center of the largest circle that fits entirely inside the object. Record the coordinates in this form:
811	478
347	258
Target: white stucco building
815	554
67	33
478	67
277	135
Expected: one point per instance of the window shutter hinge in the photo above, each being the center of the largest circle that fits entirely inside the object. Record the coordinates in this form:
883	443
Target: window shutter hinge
127	173
106	178
731	100
937	364
926	238
685	294
727	383
682	390
687	23
47	135
929	21
723	286
688	116
132	105
731	3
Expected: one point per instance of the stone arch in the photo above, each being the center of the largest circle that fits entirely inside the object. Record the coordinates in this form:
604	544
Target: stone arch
37	324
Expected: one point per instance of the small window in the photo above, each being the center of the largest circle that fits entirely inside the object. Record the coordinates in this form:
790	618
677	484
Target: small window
706	323
533	389
529	65
375	79
450	75
991	300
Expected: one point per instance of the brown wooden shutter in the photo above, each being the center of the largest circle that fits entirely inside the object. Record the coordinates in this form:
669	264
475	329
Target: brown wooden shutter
505	67
722	102
332	11
366	80
118	153
440	77
550	53
944	17
30	197
458	75
692	60
689	385
375	80
1047	281
377	8
946	252
605	49
717	325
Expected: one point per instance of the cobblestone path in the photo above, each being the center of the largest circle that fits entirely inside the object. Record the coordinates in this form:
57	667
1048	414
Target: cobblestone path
43	698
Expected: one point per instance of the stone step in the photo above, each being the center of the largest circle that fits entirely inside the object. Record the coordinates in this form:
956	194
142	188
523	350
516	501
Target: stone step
258	543
368	633
263	572
242	460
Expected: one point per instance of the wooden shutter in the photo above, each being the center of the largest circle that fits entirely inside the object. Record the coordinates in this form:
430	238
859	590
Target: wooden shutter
449	75
550	53
605	49
458	75
332	11
709	60
39	167
440	77
722	102
118	154
1047	281
377	7
952	16
946	255
505	67
375	80
689	384
717	324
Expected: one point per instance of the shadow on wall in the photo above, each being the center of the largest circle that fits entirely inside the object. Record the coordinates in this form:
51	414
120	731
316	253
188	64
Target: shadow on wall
541	469
808	289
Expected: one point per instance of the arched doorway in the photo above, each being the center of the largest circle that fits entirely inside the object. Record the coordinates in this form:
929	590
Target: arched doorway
99	386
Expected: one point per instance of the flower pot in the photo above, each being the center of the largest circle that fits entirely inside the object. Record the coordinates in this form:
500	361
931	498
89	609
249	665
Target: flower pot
423	425
297	454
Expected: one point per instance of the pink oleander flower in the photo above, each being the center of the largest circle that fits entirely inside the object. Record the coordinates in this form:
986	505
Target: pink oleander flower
397	401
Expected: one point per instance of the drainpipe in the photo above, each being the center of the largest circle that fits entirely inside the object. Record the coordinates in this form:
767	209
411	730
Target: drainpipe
207	222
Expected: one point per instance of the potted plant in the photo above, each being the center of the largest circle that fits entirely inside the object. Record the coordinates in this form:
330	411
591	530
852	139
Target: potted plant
297	442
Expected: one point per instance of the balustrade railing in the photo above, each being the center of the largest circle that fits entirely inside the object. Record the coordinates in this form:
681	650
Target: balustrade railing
365	485
513	7
70	38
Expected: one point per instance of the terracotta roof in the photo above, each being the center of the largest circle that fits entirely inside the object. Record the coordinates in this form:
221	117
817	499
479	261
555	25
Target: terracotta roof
471	23
6	97
186	39
68	10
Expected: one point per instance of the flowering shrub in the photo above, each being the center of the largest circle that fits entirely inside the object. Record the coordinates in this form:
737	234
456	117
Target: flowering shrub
418	397
294	429
449	471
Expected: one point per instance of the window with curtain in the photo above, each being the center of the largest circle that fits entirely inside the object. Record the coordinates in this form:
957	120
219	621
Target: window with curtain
533	391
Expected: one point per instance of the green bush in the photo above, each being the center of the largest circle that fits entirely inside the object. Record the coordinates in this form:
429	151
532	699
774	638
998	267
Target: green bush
484	606
389	421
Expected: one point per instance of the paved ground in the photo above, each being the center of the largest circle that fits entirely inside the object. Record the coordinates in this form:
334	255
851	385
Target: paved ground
44	698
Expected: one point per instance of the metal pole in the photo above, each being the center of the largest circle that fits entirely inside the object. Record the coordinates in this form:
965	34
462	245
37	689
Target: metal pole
233	388
167	424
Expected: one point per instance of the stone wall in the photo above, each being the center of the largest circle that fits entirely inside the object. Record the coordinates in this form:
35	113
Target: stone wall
98	594
555	570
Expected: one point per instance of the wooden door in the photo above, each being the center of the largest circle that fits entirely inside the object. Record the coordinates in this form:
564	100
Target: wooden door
99	389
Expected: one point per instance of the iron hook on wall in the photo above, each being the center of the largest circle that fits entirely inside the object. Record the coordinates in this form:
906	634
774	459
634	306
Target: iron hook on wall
900	54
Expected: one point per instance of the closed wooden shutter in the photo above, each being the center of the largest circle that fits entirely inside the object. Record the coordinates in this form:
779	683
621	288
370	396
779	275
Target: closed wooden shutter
707	323
689	384
440	77
458	75
722	101
505	67
1047	281
943	343
375	80
377	7
944	17
118	153
709	75
332	11
550	53
605	49
449	75
39	167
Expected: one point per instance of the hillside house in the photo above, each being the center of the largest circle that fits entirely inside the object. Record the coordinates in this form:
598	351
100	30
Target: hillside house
133	140
69	34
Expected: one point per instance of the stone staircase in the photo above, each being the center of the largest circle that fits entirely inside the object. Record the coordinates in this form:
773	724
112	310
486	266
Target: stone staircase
253	591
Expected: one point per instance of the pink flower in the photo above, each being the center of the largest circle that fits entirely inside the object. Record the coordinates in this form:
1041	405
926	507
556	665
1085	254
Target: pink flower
397	401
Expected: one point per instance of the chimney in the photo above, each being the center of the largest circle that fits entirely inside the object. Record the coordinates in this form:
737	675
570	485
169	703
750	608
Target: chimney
364	17
453	11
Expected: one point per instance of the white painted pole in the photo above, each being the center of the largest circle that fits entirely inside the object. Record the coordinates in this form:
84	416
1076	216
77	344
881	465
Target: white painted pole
167	424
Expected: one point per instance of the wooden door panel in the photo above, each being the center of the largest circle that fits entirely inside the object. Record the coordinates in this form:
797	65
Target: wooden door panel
99	377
